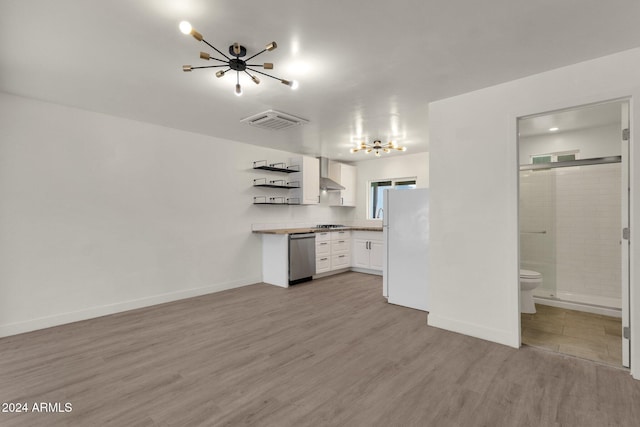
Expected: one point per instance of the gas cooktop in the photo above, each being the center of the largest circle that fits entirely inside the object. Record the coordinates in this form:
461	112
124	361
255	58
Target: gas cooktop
330	226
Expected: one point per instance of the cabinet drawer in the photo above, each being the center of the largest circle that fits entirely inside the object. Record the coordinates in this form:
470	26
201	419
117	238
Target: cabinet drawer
323	248
323	264
323	236
340	235
340	261
340	246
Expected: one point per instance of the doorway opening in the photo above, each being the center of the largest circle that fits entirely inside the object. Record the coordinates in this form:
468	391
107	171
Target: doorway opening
573	206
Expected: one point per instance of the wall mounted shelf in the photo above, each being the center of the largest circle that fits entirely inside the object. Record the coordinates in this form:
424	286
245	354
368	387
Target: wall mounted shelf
275	167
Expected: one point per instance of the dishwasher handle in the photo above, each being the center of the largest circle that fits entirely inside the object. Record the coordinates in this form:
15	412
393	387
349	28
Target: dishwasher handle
296	236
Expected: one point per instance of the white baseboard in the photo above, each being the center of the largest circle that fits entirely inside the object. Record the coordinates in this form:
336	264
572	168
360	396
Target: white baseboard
366	270
465	328
93	312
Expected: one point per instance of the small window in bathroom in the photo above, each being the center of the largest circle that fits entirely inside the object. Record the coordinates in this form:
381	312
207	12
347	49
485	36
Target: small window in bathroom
566	157
540	159
561	156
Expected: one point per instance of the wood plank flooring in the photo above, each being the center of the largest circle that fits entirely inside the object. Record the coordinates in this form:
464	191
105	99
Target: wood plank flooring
590	336
326	353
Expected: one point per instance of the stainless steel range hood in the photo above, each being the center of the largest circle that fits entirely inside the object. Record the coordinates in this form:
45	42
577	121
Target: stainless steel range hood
327	183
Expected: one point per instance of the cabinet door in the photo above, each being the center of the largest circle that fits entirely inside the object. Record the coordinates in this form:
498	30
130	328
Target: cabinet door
375	254
340	261
348	180
311	181
360	253
323	248
323	264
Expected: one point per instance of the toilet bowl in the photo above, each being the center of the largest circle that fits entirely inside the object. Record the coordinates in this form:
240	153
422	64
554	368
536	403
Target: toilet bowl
529	280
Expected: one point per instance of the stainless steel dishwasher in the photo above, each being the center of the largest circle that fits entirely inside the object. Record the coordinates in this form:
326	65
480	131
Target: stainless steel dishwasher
302	257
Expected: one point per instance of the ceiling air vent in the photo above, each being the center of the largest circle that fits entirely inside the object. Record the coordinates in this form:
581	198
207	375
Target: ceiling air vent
274	120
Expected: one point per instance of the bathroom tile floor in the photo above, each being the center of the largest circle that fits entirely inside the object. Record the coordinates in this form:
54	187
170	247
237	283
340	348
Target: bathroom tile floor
589	336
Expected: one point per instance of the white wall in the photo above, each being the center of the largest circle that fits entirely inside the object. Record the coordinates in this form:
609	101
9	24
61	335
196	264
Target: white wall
99	214
474	193
593	142
399	166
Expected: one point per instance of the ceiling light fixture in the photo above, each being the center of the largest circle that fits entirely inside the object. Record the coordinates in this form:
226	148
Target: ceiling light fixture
234	64
554	129
377	147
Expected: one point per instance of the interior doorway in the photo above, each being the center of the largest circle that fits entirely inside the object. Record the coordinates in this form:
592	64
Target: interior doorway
573	208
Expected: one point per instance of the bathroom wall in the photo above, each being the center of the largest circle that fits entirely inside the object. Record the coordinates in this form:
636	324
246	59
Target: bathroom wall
593	142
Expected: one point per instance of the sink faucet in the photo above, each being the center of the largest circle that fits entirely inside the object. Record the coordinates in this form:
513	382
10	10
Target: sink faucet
379	213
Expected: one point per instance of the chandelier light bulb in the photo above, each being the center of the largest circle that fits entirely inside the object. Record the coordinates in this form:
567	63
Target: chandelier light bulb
354	150
377	153
220	73
238	90
294	84
185	27
255	79
271	46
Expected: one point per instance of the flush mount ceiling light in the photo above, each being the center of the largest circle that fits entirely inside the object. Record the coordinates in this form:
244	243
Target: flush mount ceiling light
234	64
378	146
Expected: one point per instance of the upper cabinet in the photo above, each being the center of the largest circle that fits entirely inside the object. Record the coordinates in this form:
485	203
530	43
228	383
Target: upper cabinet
308	178
345	175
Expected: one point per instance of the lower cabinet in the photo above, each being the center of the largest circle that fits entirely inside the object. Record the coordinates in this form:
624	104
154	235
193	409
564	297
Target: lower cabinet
333	250
368	249
323	252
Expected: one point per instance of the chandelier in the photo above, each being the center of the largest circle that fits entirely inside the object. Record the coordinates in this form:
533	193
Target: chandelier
236	64
377	147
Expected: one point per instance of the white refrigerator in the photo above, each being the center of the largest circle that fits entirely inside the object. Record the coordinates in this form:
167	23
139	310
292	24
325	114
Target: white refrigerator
405	229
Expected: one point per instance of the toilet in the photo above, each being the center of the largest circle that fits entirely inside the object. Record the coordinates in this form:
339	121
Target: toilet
529	280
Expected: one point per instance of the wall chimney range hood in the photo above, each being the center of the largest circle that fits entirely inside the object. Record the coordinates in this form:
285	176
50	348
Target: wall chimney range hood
327	183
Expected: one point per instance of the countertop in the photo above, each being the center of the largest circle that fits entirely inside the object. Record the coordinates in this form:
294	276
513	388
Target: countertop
314	230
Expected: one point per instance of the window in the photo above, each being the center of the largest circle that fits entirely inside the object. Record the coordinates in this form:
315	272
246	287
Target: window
376	193
563	156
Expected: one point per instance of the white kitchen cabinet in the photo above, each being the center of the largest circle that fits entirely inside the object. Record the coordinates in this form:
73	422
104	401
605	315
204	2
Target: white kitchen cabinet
367	252
345	175
323	252
340	249
309	179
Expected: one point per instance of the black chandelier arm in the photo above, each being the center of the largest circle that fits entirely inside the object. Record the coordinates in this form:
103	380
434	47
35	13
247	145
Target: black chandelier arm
248	73
210	66
251	57
255	65
214	48
265	74
219	60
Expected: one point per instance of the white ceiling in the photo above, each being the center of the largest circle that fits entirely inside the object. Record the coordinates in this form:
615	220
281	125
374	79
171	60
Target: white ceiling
367	69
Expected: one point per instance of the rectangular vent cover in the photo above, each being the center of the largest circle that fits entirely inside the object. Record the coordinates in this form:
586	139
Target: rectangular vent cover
274	120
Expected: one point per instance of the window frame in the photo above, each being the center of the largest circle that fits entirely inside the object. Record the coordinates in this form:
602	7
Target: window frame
394	182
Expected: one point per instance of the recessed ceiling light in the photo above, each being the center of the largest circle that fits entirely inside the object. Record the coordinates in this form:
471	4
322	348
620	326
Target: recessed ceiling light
553	129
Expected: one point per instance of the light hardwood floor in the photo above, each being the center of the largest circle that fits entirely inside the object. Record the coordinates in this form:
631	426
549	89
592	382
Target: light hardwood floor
328	352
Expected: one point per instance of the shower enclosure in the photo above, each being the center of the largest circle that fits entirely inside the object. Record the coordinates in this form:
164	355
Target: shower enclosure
570	222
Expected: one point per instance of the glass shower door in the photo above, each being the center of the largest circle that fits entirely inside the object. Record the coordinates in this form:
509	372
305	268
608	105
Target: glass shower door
538	227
